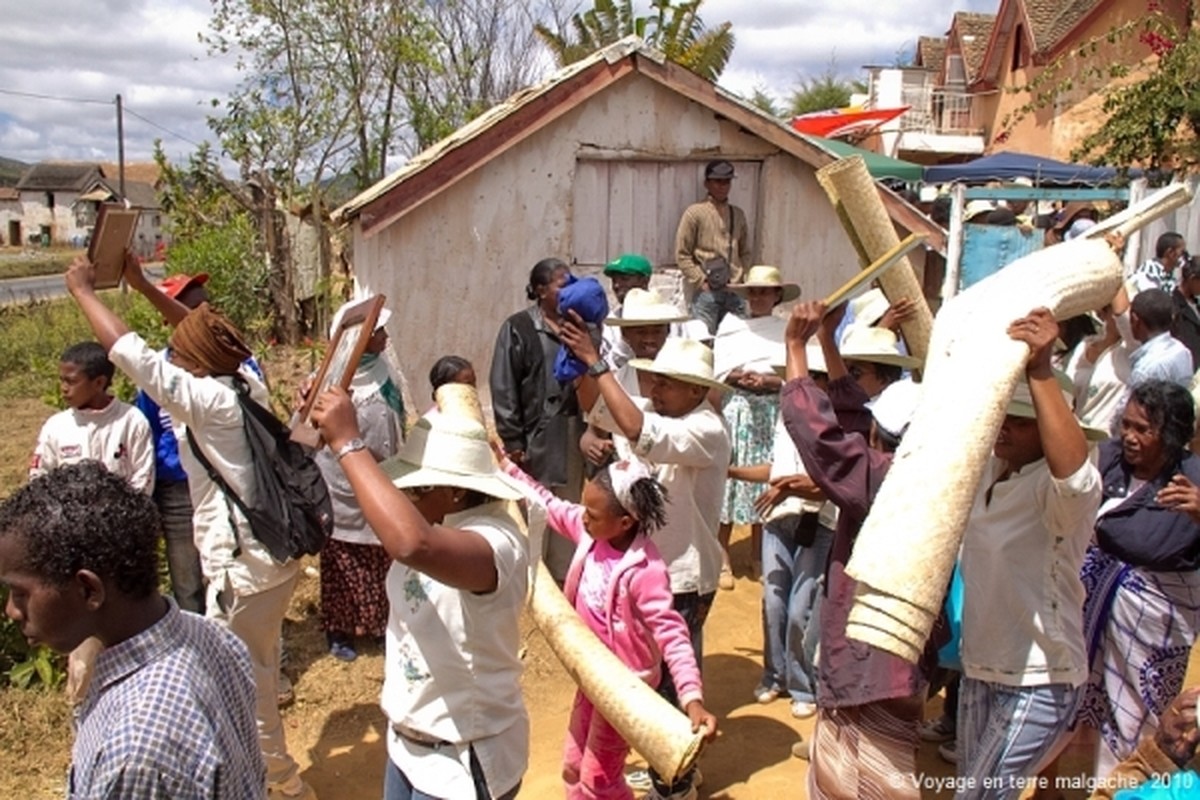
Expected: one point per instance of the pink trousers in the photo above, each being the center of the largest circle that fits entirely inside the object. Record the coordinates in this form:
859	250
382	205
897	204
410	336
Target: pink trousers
594	756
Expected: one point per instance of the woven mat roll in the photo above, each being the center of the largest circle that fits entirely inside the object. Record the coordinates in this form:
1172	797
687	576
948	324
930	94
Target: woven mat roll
657	730
908	544
872	232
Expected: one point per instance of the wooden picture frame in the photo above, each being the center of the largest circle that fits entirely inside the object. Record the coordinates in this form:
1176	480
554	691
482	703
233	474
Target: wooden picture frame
346	348
112	235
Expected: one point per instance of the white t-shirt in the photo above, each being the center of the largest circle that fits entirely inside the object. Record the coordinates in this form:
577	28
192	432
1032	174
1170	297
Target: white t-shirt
452	672
118	436
1021	554
786	461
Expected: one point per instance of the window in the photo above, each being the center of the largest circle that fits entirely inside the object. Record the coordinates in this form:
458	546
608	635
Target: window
956	73
1018	49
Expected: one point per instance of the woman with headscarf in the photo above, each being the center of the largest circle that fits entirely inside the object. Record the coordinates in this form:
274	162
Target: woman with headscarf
1143	588
537	418
198	385
353	566
452	694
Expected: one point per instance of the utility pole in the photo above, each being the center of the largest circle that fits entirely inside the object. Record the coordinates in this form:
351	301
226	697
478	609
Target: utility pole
120	148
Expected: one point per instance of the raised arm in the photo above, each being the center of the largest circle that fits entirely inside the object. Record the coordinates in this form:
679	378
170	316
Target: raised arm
454	556
171	309
81	283
625	413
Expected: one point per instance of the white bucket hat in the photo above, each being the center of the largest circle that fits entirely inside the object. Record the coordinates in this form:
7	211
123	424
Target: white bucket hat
645	307
448	450
336	322
764	277
869	307
877	345
683	359
977	207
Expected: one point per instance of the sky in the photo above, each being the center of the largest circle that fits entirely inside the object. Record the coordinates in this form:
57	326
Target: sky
149	52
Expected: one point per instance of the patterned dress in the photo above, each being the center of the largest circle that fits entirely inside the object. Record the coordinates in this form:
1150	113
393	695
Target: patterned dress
751	419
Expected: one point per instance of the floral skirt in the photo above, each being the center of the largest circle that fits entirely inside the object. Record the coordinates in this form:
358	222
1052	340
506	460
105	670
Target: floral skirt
751	419
354	589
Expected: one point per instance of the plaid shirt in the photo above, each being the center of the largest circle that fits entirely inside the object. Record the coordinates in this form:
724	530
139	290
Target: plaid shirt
170	714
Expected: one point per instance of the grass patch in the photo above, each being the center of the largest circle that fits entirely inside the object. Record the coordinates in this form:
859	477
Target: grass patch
16	263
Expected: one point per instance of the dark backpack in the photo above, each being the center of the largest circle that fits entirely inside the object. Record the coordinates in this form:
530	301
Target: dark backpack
292	514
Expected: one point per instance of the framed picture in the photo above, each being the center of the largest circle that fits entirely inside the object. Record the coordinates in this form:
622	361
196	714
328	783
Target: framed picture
111	237
346	348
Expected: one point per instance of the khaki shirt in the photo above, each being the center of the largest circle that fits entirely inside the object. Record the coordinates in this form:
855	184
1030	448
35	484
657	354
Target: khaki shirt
705	232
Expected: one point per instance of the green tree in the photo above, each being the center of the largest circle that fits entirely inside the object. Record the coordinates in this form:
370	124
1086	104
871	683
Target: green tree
764	102
825	91
674	28
1150	119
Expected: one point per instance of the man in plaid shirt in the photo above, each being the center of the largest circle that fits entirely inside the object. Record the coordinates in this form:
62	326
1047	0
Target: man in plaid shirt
169	708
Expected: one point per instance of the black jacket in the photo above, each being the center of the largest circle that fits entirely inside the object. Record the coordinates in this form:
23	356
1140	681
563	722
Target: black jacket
1186	325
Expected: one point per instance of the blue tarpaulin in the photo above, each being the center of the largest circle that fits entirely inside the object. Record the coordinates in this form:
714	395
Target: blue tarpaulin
1006	166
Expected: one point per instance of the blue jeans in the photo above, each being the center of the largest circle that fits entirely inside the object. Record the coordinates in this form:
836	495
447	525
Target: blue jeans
712	306
793	574
1007	734
397	786
183	560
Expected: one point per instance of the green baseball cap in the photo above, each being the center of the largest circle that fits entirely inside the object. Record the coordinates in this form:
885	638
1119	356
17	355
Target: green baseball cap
629	264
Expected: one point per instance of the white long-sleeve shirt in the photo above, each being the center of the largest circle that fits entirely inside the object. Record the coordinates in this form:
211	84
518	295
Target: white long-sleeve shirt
207	410
117	436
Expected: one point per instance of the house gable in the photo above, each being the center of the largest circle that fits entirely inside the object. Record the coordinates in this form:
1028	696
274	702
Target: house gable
967	40
59	176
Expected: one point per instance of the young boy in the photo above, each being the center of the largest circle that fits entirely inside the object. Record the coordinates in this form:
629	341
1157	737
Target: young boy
97	426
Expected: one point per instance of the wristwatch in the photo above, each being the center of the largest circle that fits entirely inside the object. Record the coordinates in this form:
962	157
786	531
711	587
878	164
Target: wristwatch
598	369
352	446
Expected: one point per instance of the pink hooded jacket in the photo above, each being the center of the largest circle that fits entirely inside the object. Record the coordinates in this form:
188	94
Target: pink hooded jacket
644	629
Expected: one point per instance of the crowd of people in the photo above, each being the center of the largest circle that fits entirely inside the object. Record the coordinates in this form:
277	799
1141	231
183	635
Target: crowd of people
1076	598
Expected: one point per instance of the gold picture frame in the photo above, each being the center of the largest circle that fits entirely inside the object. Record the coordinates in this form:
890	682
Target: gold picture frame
346	348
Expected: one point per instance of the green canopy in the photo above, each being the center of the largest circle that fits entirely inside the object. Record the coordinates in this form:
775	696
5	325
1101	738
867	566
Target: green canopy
879	165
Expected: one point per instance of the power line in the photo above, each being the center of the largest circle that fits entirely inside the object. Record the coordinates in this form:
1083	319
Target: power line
55	97
154	124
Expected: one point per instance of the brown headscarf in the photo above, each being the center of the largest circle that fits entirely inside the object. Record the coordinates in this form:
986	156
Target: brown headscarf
208	339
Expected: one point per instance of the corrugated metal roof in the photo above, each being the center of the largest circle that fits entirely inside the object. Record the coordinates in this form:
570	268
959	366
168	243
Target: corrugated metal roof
59	176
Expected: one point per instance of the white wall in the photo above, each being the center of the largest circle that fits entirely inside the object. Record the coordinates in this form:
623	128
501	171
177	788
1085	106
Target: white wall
455	267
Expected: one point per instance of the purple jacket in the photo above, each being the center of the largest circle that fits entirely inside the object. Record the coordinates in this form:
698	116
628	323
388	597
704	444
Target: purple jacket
849	472
644	629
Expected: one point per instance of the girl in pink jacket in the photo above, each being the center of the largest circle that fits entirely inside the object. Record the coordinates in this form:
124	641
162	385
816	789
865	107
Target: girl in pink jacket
618	584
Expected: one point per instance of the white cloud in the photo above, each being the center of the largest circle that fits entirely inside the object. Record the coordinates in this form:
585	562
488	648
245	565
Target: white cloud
149	52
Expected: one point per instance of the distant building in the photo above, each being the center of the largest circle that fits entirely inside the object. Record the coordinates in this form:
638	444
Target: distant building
58	201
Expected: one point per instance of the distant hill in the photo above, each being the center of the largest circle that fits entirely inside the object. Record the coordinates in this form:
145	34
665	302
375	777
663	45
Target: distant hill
10	171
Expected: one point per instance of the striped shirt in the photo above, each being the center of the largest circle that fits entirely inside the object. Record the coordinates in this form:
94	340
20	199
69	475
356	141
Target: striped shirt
170	714
707	231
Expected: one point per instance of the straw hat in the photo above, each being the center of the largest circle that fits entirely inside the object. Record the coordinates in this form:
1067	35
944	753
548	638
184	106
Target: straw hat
449	450
336	322
1021	405
767	278
646	307
869	307
814	355
877	345
683	359
977	208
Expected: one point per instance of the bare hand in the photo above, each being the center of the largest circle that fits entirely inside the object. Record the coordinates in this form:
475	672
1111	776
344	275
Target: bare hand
702	720
768	500
1181	495
753	381
333	415
132	272
596	449
1038	330
1177	734
832	319
897	314
804	322
302	392
575	335
81	276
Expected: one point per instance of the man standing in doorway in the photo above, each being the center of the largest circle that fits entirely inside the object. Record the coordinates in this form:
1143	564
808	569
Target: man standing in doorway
711	246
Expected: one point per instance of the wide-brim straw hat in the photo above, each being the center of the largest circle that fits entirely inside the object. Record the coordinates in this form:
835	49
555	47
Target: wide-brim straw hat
646	307
683	359
813	354
1021	405
765	277
877	345
449	449
976	208
895	406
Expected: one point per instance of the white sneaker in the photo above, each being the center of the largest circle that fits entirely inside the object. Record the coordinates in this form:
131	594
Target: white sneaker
802	709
